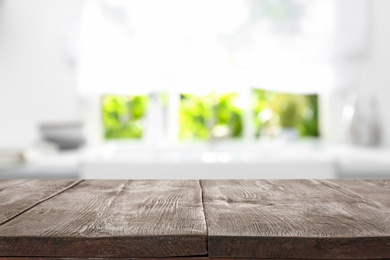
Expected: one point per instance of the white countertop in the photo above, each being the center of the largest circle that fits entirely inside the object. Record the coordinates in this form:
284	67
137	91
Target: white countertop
362	162
292	161
222	161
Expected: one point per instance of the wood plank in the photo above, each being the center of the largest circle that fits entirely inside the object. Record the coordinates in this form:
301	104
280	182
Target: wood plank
363	189
147	258
112	218
17	196
298	219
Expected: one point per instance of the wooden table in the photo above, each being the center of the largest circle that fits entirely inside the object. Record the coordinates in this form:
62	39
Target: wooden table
191	219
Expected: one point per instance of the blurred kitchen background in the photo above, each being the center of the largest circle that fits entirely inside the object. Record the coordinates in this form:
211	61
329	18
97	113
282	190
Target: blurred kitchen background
194	89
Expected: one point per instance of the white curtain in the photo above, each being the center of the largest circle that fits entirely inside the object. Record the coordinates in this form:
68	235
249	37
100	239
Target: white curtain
138	46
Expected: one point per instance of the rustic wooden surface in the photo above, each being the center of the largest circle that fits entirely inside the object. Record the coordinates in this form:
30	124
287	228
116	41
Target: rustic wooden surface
165	258
246	219
302	219
158	258
17	196
107	218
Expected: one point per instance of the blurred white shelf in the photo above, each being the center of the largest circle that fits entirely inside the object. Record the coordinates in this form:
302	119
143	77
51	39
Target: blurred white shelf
65	165
210	162
362	162
302	161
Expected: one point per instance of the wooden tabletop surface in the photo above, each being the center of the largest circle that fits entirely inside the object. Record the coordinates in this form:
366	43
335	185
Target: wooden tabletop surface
191	219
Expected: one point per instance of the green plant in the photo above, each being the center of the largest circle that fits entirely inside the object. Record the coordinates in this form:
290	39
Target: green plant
123	115
273	109
309	123
214	115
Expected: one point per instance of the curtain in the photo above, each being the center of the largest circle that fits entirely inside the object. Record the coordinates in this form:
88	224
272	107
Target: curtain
138	46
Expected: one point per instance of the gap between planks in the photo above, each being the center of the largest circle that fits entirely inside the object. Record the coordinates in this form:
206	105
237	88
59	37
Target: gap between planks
41	201
204	215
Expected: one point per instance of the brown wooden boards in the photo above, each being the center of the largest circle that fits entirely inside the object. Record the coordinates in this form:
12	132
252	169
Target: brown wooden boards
267	219
112	218
17	196
297	219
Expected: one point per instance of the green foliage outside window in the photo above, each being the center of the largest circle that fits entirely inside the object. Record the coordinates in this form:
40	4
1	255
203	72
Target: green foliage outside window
210	116
216	115
123	116
273	110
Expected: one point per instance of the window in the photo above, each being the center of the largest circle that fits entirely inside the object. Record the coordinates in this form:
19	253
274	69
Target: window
212	116
123	116
208	66
274	112
215	116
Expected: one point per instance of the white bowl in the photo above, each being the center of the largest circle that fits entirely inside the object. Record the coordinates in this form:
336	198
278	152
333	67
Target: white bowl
64	135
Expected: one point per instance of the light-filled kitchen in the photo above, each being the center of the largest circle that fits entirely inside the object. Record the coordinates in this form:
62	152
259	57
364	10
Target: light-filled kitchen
194	129
202	90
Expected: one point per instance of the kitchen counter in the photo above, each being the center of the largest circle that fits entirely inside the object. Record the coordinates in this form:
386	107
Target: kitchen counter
256	161
192	219
222	161
48	166
362	162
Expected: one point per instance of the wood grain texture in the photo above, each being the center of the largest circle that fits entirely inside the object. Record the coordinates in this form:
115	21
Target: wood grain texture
112	218
17	196
148	258
298	219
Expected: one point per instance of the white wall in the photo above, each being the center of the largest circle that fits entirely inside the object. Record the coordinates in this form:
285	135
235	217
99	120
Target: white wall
368	74
37	83
375	77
